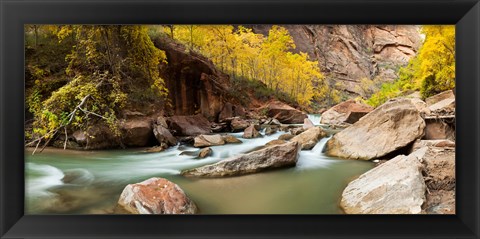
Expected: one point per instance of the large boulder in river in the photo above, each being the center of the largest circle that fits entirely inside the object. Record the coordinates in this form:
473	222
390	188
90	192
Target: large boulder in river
309	138
208	140
189	125
250	132
163	135
390	127
156	196
137	132
285	113
277	156
349	111
394	187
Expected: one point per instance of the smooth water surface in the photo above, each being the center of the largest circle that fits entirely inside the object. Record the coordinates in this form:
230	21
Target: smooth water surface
90	182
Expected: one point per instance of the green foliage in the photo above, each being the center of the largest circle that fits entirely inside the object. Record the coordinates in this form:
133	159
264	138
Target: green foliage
106	65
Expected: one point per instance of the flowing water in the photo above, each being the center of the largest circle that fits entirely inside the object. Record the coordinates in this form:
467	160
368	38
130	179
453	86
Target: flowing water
90	182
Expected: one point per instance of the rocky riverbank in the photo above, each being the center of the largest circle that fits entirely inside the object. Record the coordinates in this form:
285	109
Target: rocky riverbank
415	172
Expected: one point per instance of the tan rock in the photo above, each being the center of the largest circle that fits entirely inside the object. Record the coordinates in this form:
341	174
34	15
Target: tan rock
391	126
277	156
230	139
208	140
205	152
309	138
275	142
394	187
284	113
348	111
250	132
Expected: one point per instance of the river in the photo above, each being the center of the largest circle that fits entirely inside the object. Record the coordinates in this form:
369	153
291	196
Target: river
96	179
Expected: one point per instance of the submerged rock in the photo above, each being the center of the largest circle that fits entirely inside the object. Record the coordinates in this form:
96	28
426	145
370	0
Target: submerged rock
394	187
309	138
278	156
205	152
208	140
156	196
390	127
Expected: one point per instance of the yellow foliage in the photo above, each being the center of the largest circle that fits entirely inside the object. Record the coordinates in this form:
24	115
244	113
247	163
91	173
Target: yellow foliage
242	53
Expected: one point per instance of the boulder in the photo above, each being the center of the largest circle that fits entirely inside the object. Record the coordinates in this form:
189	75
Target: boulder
230	139
307	123
250	132
137	132
285	136
308	139
277	156
440	97
188	125
98	136
348	111
208	140
421	106
394	187
440	179
275	142
284	113
442	104
163	135
438	129
161	121
205	152
238	124
269	130
442	143
390	127
156	196
296	130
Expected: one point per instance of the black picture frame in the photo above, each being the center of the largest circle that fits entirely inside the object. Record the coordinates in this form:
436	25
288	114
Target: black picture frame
465	14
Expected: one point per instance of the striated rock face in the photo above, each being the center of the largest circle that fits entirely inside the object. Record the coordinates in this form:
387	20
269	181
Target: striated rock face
349	53
284	113
190	125
194	84
394	187
277	156
156	196
346	112
391	126
309	138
